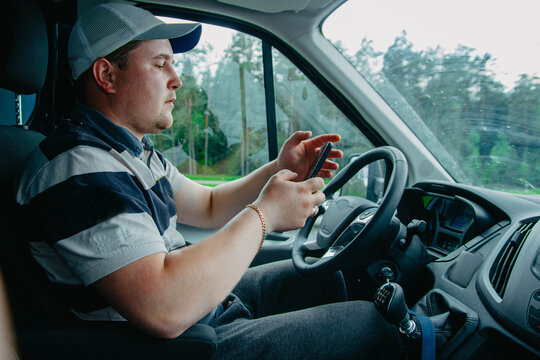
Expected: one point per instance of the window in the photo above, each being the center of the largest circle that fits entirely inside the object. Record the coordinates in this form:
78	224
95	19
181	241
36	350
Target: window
464	81
220	129
302	106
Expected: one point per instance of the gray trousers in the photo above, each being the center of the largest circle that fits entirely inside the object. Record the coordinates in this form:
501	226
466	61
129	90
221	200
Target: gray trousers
276	313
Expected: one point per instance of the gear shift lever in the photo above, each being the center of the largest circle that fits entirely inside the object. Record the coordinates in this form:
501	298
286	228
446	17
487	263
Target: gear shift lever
390	301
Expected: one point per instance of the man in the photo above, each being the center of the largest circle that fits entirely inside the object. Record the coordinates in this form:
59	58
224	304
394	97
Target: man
107	205
7	336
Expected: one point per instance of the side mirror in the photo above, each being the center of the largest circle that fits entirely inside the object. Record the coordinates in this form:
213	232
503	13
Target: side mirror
368	183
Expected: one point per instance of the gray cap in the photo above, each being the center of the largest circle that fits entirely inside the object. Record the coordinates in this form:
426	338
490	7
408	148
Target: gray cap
107	27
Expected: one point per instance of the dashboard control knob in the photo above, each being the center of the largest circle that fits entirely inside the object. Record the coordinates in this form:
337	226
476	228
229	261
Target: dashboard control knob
415	227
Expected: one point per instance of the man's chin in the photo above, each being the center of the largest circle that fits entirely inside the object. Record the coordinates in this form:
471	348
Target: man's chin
163	125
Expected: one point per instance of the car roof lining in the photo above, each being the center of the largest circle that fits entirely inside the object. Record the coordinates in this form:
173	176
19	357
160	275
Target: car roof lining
277	6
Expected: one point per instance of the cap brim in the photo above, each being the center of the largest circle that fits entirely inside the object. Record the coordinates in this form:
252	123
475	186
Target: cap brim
183	37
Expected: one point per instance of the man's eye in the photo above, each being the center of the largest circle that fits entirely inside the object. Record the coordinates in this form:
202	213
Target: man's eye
160	67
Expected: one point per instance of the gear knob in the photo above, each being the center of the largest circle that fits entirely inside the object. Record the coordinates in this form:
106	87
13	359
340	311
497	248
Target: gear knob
390	301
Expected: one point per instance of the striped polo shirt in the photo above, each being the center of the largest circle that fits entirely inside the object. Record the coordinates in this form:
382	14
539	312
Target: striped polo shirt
99	199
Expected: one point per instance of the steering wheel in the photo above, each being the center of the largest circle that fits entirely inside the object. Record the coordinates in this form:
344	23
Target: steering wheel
351	226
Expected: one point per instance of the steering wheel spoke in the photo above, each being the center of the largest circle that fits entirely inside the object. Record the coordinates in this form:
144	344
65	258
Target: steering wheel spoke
312	245
332	251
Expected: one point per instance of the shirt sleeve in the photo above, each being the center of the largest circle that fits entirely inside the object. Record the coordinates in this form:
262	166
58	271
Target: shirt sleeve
97	218
174	176
110	245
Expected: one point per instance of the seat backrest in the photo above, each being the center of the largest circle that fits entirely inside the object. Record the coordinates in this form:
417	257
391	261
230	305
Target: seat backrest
23	68
25	42
17	143
33	299
23	72
43	325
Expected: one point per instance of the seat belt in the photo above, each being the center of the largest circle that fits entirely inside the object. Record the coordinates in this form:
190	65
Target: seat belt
428	336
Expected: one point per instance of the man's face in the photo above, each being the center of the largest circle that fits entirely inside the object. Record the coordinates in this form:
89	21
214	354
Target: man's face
145	88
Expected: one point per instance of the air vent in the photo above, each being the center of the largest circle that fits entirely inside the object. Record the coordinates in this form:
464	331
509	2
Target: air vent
502	268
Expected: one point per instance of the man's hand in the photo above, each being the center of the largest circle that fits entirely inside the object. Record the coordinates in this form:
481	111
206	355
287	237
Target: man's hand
287	204
299	151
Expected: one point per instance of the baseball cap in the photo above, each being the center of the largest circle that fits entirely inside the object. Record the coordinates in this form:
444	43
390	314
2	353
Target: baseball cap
107	27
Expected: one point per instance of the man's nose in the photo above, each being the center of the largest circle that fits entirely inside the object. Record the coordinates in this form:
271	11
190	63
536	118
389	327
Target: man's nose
175	83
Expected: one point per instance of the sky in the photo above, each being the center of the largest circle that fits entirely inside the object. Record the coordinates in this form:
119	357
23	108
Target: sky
219	37
508	30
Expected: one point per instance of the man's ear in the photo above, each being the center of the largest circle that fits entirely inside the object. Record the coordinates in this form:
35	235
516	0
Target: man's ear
103	73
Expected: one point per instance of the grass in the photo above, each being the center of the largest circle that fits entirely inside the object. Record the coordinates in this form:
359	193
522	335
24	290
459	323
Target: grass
219	178
523	192
207	180
204	178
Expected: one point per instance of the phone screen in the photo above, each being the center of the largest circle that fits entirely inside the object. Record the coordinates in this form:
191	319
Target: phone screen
319	160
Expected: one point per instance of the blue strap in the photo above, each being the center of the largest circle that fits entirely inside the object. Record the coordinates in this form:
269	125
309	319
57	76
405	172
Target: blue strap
428	336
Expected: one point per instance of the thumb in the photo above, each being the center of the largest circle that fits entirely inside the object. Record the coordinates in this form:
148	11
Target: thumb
286	175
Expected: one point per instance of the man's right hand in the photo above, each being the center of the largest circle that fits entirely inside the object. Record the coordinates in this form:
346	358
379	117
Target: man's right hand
287	204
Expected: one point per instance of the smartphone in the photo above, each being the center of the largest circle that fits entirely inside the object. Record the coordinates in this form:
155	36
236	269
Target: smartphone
319	161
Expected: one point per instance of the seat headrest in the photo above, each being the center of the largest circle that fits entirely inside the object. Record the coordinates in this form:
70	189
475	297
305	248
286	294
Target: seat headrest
23	66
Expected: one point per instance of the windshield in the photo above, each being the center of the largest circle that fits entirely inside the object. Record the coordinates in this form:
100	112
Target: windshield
462	75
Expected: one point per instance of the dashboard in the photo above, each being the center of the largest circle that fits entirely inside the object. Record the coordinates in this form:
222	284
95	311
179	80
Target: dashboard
452	220
485	251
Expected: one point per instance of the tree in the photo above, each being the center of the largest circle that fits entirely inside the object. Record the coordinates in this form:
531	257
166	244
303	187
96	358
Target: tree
405	68
246	51
524	109
195	126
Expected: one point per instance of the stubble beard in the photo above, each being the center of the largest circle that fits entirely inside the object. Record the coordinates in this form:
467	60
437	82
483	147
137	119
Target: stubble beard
163	122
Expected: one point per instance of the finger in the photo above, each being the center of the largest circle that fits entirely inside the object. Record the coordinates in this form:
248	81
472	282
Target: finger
286	175
299	136
319	197
325	174
335	154
319	140
327	168
330	165
315	184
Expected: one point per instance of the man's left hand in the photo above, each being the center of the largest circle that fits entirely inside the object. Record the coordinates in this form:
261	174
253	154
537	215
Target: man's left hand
299	151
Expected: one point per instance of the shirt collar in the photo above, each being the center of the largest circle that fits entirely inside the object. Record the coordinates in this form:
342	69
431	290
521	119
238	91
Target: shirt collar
116	136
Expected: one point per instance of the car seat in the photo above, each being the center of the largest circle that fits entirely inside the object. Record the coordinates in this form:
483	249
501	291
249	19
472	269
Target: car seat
45	328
